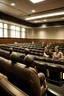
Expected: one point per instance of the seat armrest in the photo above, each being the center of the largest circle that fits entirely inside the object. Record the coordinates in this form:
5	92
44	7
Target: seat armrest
3	76
10	89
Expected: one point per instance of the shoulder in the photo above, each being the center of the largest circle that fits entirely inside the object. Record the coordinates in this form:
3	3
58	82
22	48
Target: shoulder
33	69
60	52
54	53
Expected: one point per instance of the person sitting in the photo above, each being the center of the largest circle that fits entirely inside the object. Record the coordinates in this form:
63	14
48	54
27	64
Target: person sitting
28	61
46	52
57	54
50	52
20	47
27	51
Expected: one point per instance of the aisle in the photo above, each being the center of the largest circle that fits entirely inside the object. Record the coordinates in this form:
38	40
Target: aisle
57	89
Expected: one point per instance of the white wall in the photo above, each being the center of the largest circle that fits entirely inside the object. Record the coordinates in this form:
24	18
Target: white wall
46	33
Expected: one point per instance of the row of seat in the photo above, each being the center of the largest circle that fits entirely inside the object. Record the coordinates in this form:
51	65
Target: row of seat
49	69
22	77
53	72
20	56
43	65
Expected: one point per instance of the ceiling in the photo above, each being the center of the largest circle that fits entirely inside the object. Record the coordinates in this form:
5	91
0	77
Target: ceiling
23	8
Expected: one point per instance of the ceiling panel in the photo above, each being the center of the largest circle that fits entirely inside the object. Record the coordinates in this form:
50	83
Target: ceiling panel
23	8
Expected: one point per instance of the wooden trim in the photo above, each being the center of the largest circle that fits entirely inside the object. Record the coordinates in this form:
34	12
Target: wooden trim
21	40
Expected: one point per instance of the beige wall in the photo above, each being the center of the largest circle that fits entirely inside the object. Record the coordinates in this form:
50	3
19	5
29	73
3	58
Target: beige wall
30	33
46	33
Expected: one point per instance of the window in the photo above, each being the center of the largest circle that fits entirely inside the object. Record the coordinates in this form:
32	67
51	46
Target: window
12	27
22	32
18	32
13	31
1	33
1	25
5	26
5	30
1	29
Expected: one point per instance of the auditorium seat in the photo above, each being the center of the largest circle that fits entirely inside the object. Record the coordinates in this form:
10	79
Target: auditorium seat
5	54
55	73
8	89
24	78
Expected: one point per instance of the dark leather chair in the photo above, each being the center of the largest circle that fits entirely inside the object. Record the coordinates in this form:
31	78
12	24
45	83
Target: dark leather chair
23	77
5	54
55	73
8	89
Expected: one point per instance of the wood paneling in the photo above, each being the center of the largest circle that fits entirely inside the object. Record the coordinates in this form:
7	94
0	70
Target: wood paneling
20	40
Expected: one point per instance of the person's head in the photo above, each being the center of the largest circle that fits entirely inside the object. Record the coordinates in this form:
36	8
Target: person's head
27	51
50	44
56	48
20	47
28	60
46	49
10	49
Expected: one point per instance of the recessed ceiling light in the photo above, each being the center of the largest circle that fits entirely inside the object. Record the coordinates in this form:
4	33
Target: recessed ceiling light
12	4
35	21
45	16
36	1
44	20
33	11
44	26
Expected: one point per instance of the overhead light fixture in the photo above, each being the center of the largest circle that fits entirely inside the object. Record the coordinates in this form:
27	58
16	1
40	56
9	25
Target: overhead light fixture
45	16
33	11
12	4
36	1
44	26
36	21
44	20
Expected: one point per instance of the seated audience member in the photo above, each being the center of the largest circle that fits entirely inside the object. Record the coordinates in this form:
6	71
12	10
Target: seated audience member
57	54
50	52
32	42
46	52
43	44
28	60
20	47
27	51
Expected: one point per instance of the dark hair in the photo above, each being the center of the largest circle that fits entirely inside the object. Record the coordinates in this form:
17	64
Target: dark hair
28	60
58	47
27	51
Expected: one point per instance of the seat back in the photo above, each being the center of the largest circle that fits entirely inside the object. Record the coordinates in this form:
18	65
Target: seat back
8	89
24	78
27	80
5	54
